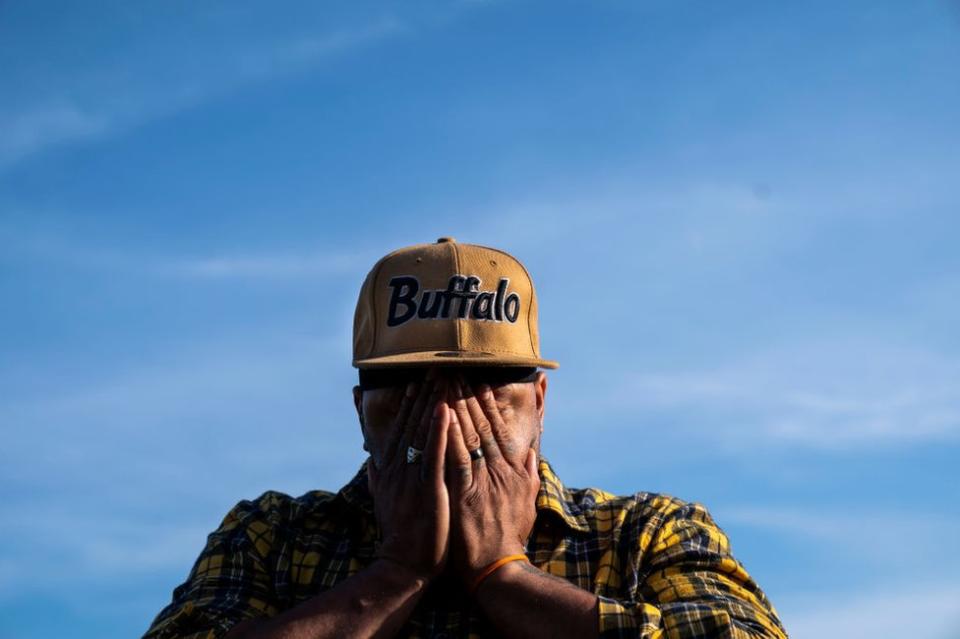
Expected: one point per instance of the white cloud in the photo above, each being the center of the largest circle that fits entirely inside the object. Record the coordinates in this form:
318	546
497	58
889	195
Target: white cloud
164	423
96	102
924	611
122	478
70	548
118	481
876	537
661	225
307	50
828	394
265	266
26	132
55	247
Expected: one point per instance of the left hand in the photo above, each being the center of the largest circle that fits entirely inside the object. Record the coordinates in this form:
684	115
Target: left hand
492	499
410	500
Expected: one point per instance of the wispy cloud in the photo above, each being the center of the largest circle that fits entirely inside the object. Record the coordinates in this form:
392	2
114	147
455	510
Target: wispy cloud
320	263
875	537
56	247
699	219
225	400
307	51
238	417
194	383
923	611
26	132
826	394
70	549
102	101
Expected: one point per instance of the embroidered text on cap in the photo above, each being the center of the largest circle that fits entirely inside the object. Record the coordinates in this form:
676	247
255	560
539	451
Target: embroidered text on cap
462	291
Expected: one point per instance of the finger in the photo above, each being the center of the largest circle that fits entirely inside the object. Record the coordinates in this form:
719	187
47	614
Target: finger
406	405
411	423
470	437
491	448
419	438
436	447
488	404
531	465
459	470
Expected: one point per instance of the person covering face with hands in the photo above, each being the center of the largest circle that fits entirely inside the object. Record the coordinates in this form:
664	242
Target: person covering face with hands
456	526
488	446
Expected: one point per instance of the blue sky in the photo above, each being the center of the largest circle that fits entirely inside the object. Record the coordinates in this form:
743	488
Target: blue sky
742	220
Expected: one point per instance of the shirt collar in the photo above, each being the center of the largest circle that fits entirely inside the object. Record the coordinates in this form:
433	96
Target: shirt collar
553	496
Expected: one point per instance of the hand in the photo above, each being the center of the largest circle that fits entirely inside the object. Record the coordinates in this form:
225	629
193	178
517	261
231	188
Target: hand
492	499
411	501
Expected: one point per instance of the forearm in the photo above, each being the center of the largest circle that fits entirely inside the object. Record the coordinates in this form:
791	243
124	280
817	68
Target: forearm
523	601
375	602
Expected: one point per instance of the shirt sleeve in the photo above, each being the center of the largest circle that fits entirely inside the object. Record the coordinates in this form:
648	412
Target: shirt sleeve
229	582
689	586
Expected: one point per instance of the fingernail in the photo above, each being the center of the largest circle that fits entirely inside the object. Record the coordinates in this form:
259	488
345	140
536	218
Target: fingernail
411	389
485	389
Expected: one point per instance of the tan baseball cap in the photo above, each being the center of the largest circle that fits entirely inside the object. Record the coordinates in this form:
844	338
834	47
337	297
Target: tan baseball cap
447	304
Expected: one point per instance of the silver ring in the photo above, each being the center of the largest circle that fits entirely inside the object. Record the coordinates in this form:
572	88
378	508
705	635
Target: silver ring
476	454
414	455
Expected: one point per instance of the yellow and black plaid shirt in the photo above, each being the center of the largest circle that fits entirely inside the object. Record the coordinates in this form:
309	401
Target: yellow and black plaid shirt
661	568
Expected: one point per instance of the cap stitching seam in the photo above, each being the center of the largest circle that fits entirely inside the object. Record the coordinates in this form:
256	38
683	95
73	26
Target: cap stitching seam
456	264
373	305
449	350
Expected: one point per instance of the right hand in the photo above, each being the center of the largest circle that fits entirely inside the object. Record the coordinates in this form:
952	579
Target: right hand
411	502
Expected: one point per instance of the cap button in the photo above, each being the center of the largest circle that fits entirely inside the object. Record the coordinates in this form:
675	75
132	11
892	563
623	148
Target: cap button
444	240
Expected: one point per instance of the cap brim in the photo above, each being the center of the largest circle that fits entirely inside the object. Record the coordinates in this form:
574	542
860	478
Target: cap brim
451	358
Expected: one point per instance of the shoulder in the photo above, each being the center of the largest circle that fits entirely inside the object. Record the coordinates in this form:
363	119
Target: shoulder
275	509
637	505
641	514
606	514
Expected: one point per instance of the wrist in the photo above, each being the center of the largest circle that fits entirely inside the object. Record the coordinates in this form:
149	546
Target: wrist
506	564
506	574
403	573
474	565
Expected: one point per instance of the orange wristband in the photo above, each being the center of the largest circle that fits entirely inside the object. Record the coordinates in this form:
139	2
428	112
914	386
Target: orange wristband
494	567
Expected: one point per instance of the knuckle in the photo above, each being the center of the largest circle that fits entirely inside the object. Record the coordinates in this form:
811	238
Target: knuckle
472	441
492	454
484	426
474	499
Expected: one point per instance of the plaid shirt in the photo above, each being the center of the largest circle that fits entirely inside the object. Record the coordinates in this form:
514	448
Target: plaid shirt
661	568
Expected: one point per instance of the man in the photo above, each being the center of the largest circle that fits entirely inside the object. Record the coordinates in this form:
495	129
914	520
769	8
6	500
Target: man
456	526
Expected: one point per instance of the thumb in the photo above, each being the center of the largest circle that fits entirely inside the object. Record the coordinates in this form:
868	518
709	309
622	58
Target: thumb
531	466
